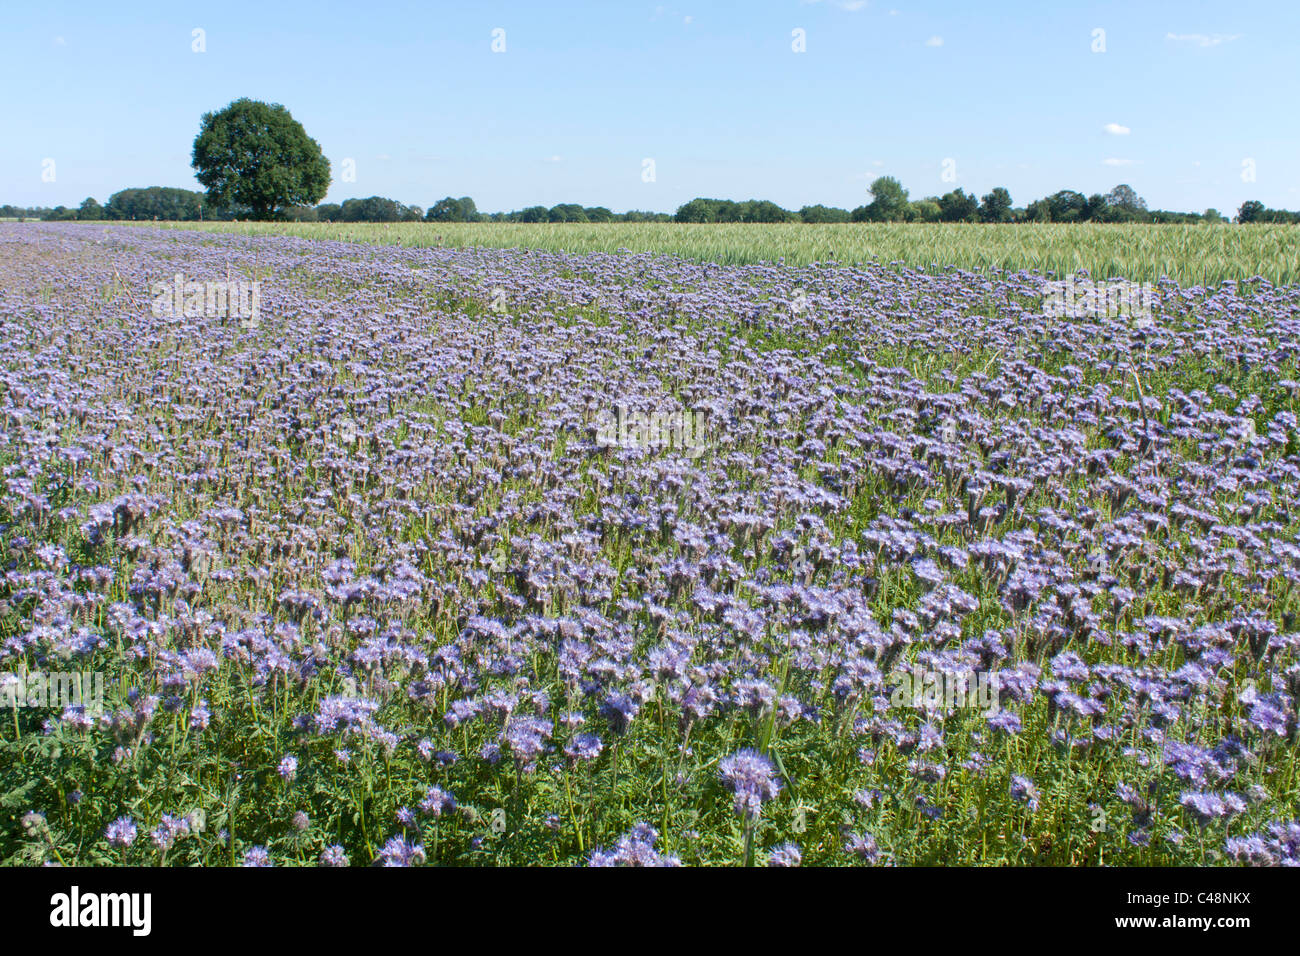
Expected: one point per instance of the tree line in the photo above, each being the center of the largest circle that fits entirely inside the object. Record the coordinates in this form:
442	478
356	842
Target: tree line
256	161
889	202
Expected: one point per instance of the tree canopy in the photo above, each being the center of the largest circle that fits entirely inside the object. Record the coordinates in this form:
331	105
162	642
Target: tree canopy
256	155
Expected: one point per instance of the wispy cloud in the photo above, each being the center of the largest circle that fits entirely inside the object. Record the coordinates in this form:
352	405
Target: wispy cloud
1116	130
1119	162
934	41
553	159
1203	39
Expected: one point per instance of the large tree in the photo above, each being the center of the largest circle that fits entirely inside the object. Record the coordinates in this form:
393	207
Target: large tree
256	155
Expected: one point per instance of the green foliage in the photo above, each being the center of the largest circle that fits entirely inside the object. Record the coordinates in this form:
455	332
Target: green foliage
377	209
996	206
567	212
90	209
958	206
453	210
256	155
1254	211
888	201
926	210
823	214
155	202
724	210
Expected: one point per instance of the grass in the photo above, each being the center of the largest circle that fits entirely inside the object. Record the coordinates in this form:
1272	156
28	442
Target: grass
1188	254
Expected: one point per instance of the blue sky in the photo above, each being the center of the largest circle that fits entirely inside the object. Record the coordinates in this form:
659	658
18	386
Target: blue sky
1186	101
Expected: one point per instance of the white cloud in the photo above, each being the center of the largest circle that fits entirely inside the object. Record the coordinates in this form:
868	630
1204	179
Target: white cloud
688	19
1116	130
852	6
59	41
877	163
934	41
1203	39
552	159
1118	162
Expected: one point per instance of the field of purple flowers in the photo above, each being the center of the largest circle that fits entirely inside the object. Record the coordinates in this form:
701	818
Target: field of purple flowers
368	583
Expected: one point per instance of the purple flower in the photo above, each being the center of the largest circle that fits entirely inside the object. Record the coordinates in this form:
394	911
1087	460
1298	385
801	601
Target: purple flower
634	848
751	778
333	855
399	852
437	801
620	710
1024	791
121	832
863	846
257	856
584	747
787	854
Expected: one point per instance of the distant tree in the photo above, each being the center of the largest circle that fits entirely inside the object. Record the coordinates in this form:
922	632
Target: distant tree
534	214
640	215
22	213
1125	197
1040	210
926	210
1252	210
958	206
59	214
329	212
567	212
761	210
300	214
1066	205
820	213
708	210
453	210
1212	216
372	209
888	201
996	206
155	202
1095	208
598	214
444	210
257	155
90	209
